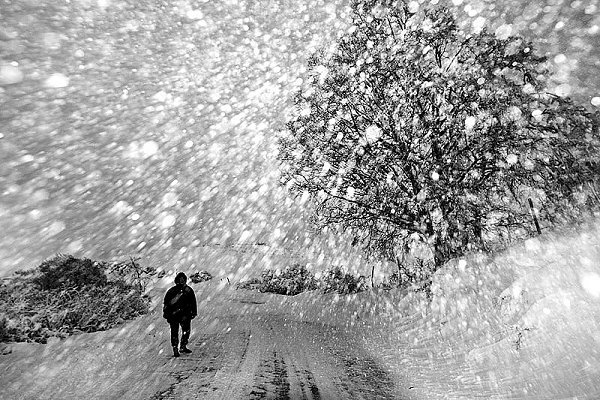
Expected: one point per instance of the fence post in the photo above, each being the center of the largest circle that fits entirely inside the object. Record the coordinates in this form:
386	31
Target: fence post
372	276
535	220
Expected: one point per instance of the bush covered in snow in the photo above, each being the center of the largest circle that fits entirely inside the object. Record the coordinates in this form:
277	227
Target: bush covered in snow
66	295
290	281
66	270
415	273
201	276
339	281
250	284
297	278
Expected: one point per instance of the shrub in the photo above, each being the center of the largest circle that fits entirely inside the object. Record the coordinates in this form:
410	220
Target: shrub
340	281
66	270
131	273
291	281
201	276
250	284
423	285
64	296
5	332
297	278
411	273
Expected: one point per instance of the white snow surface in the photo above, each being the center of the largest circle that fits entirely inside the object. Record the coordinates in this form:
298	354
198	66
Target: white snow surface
523	324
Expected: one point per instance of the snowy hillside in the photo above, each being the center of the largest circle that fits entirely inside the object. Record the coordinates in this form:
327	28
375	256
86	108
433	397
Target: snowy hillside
523	324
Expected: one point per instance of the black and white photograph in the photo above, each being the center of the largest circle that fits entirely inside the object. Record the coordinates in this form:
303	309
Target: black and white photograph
300	199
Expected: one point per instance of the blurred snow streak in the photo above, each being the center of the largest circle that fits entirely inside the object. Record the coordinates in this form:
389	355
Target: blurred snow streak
149	127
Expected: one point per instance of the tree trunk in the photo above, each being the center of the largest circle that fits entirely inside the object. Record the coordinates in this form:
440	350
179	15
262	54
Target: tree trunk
440	252
399	263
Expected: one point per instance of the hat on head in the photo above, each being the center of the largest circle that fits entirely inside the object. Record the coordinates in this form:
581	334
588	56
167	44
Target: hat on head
179	276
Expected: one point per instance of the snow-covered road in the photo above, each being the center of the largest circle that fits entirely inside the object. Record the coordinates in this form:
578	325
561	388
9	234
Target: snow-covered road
270	357
243	348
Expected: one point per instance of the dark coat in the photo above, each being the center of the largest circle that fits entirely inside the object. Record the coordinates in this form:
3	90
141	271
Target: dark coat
179	304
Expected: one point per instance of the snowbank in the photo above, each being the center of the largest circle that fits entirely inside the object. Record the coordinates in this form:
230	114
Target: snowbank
521	324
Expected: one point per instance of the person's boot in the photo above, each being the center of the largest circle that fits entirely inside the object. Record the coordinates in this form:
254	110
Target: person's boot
175	351
184	349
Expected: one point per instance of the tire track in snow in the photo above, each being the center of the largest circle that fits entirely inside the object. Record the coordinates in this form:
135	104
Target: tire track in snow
271	378
270	357
196	371
286	359
308	387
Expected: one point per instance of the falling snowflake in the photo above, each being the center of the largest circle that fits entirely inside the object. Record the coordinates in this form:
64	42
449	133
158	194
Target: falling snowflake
166	220
512	159
305	111
503	31
350	192
10	75
470	122
373	133
149	149
590	281
56	81
478	24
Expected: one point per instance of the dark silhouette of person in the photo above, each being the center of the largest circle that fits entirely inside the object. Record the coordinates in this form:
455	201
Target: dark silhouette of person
179	308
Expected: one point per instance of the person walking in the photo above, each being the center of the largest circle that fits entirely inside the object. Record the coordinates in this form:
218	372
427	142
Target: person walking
179	309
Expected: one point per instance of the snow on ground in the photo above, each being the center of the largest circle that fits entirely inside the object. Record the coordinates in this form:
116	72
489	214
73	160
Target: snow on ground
522	324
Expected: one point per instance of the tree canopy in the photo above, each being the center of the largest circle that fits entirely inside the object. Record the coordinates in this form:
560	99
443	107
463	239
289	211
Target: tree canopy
413	129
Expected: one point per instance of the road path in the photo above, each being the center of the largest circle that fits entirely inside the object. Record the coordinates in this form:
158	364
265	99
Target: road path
269	357
245	345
